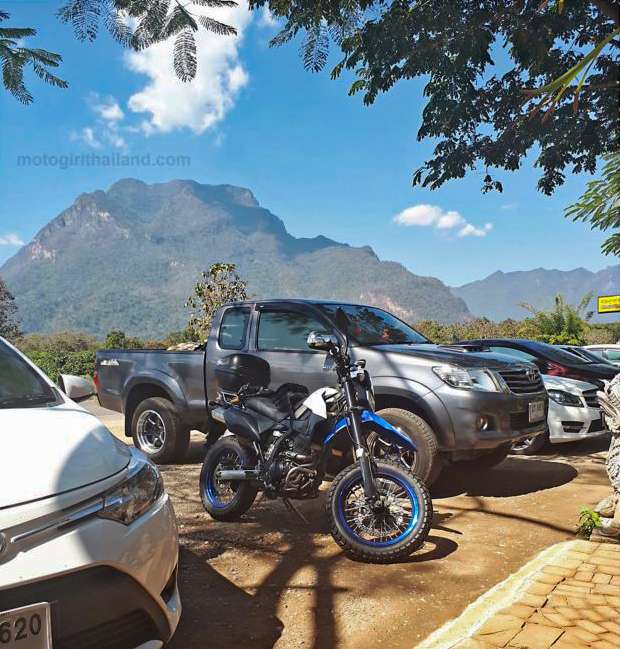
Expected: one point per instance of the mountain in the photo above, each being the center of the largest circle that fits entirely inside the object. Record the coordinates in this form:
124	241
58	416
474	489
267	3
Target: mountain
498	296
127	258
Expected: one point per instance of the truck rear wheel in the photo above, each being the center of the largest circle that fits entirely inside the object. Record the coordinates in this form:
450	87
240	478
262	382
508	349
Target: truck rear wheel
427	462
157	430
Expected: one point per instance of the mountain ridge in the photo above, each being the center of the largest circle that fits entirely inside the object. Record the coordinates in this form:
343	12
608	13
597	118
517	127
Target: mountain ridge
127	258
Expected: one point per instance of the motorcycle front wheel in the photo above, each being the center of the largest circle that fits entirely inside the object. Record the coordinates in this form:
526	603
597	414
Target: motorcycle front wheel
389	532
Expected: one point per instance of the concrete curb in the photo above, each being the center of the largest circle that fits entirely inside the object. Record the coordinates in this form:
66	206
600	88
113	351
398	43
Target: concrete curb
497	598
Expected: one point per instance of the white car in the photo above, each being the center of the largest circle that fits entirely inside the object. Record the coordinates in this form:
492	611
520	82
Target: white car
574	414
88	537
609	353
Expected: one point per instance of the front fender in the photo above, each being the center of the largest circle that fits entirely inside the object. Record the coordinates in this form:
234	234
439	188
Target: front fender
387	430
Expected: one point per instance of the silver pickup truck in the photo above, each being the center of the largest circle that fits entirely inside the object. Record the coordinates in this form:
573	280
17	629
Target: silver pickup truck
459	403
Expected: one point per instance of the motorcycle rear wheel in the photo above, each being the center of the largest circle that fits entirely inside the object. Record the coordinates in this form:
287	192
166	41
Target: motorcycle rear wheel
383	536
227	500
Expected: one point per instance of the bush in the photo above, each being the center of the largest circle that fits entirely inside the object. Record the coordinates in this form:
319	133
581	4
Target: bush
64	341
55	363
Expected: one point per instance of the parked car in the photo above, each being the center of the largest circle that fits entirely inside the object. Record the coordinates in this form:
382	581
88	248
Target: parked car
574	414
88	538
609	353
552	360
456	403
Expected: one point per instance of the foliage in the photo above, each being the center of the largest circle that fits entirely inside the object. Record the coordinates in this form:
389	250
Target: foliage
600	204
155	21
117	339
54	362
64	341
15	58
562	325
477	112
9	327
220	285
602	334
439	332
588	520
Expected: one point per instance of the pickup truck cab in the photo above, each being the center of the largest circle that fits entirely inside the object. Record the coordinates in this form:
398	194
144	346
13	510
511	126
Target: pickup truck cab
459	403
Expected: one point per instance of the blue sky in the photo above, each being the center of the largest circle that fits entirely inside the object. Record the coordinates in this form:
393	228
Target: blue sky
317	158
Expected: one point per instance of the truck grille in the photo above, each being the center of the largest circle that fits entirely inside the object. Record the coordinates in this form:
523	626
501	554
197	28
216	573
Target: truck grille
591	398
523	381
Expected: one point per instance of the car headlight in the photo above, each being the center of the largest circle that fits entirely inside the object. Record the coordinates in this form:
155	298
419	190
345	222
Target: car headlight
565	398
140	491
469	379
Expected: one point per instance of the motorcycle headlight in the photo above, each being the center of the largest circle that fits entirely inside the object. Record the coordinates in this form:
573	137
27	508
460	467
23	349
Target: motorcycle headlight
565	398
468	379
142	489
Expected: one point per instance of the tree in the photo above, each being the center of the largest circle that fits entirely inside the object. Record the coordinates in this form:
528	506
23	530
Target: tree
218	286
600	204
478	113
562	325
9	327
117	339
15	58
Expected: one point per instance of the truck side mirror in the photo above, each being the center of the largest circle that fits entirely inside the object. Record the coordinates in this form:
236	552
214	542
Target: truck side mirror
76	387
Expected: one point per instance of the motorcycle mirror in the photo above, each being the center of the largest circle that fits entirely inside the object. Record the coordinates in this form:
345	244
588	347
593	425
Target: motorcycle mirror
321	341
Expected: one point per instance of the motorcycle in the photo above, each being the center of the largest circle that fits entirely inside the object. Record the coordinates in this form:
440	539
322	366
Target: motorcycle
286	442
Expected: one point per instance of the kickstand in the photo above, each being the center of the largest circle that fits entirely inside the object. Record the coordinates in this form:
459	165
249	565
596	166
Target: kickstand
289	505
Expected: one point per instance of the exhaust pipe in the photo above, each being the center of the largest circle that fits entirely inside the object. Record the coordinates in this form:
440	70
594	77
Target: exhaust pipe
237	474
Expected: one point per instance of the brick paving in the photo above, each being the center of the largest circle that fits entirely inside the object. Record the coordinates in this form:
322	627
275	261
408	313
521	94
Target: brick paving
571	601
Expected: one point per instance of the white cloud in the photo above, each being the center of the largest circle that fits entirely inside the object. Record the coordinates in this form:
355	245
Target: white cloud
470	230
267	19
510	206
87	135
108	109
11	239
425	215
200	104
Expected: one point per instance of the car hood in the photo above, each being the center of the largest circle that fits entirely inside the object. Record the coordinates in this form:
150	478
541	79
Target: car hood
572	386
450	354
49	451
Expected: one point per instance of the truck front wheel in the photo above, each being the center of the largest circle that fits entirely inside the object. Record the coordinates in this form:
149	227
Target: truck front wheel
426	463
157	430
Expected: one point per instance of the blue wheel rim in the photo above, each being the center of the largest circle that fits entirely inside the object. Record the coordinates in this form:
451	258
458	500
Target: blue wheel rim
355	481
211	487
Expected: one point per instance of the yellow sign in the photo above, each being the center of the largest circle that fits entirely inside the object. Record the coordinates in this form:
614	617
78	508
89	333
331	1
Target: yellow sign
609	304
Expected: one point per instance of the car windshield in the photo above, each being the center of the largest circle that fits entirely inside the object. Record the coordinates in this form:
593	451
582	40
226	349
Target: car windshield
372	326
20	385
584	354
555	353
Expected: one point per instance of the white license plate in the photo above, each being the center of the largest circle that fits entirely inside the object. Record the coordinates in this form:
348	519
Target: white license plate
536	411
28	627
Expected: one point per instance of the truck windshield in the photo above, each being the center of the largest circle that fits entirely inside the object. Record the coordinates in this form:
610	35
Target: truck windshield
20	385
372	326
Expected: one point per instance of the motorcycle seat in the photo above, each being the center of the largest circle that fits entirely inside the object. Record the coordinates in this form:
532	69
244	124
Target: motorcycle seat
280	404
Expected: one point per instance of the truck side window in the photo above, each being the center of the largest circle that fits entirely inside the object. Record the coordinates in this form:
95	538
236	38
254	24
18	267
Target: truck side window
233	328
286	330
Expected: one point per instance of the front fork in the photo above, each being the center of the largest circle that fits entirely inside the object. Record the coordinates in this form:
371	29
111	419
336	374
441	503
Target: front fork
359	444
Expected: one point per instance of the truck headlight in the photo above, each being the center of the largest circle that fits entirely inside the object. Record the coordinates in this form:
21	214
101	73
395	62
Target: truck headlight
468	379
142	489
565	398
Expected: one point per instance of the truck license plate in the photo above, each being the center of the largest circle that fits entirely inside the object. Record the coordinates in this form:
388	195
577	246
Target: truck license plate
537	411
28	627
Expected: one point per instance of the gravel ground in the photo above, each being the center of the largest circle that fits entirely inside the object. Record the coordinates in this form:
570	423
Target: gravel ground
275	582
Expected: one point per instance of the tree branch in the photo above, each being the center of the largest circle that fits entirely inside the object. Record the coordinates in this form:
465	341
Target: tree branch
611	11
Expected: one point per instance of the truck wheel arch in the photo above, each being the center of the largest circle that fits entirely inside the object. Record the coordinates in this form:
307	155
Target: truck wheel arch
387	397
137	394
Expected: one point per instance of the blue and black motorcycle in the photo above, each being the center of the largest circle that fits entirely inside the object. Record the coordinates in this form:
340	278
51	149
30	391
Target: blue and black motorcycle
287	442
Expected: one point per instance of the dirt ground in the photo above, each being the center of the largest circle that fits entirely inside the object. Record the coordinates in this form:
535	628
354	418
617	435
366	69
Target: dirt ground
272	581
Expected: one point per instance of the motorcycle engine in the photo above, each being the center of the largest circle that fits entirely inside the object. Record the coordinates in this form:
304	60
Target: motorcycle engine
289	470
